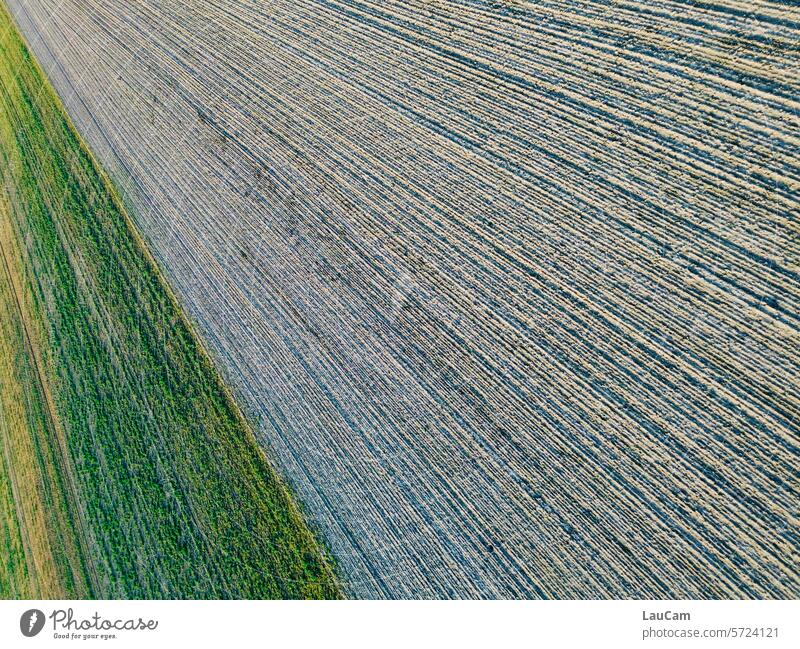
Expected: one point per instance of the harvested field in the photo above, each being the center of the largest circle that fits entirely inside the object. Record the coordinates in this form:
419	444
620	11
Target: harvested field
126	470
511	288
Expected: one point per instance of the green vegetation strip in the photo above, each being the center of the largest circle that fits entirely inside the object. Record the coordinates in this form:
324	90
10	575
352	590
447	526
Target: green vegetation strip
126	469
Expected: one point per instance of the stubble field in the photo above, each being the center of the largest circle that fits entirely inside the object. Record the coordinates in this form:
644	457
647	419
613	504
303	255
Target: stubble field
510	288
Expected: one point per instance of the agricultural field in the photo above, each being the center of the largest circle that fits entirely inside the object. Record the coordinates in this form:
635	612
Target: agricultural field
126	469
509	288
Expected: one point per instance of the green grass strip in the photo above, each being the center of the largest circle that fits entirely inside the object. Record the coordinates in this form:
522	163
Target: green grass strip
141	471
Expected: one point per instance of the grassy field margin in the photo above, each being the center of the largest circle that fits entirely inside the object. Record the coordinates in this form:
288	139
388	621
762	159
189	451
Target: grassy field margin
127	470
